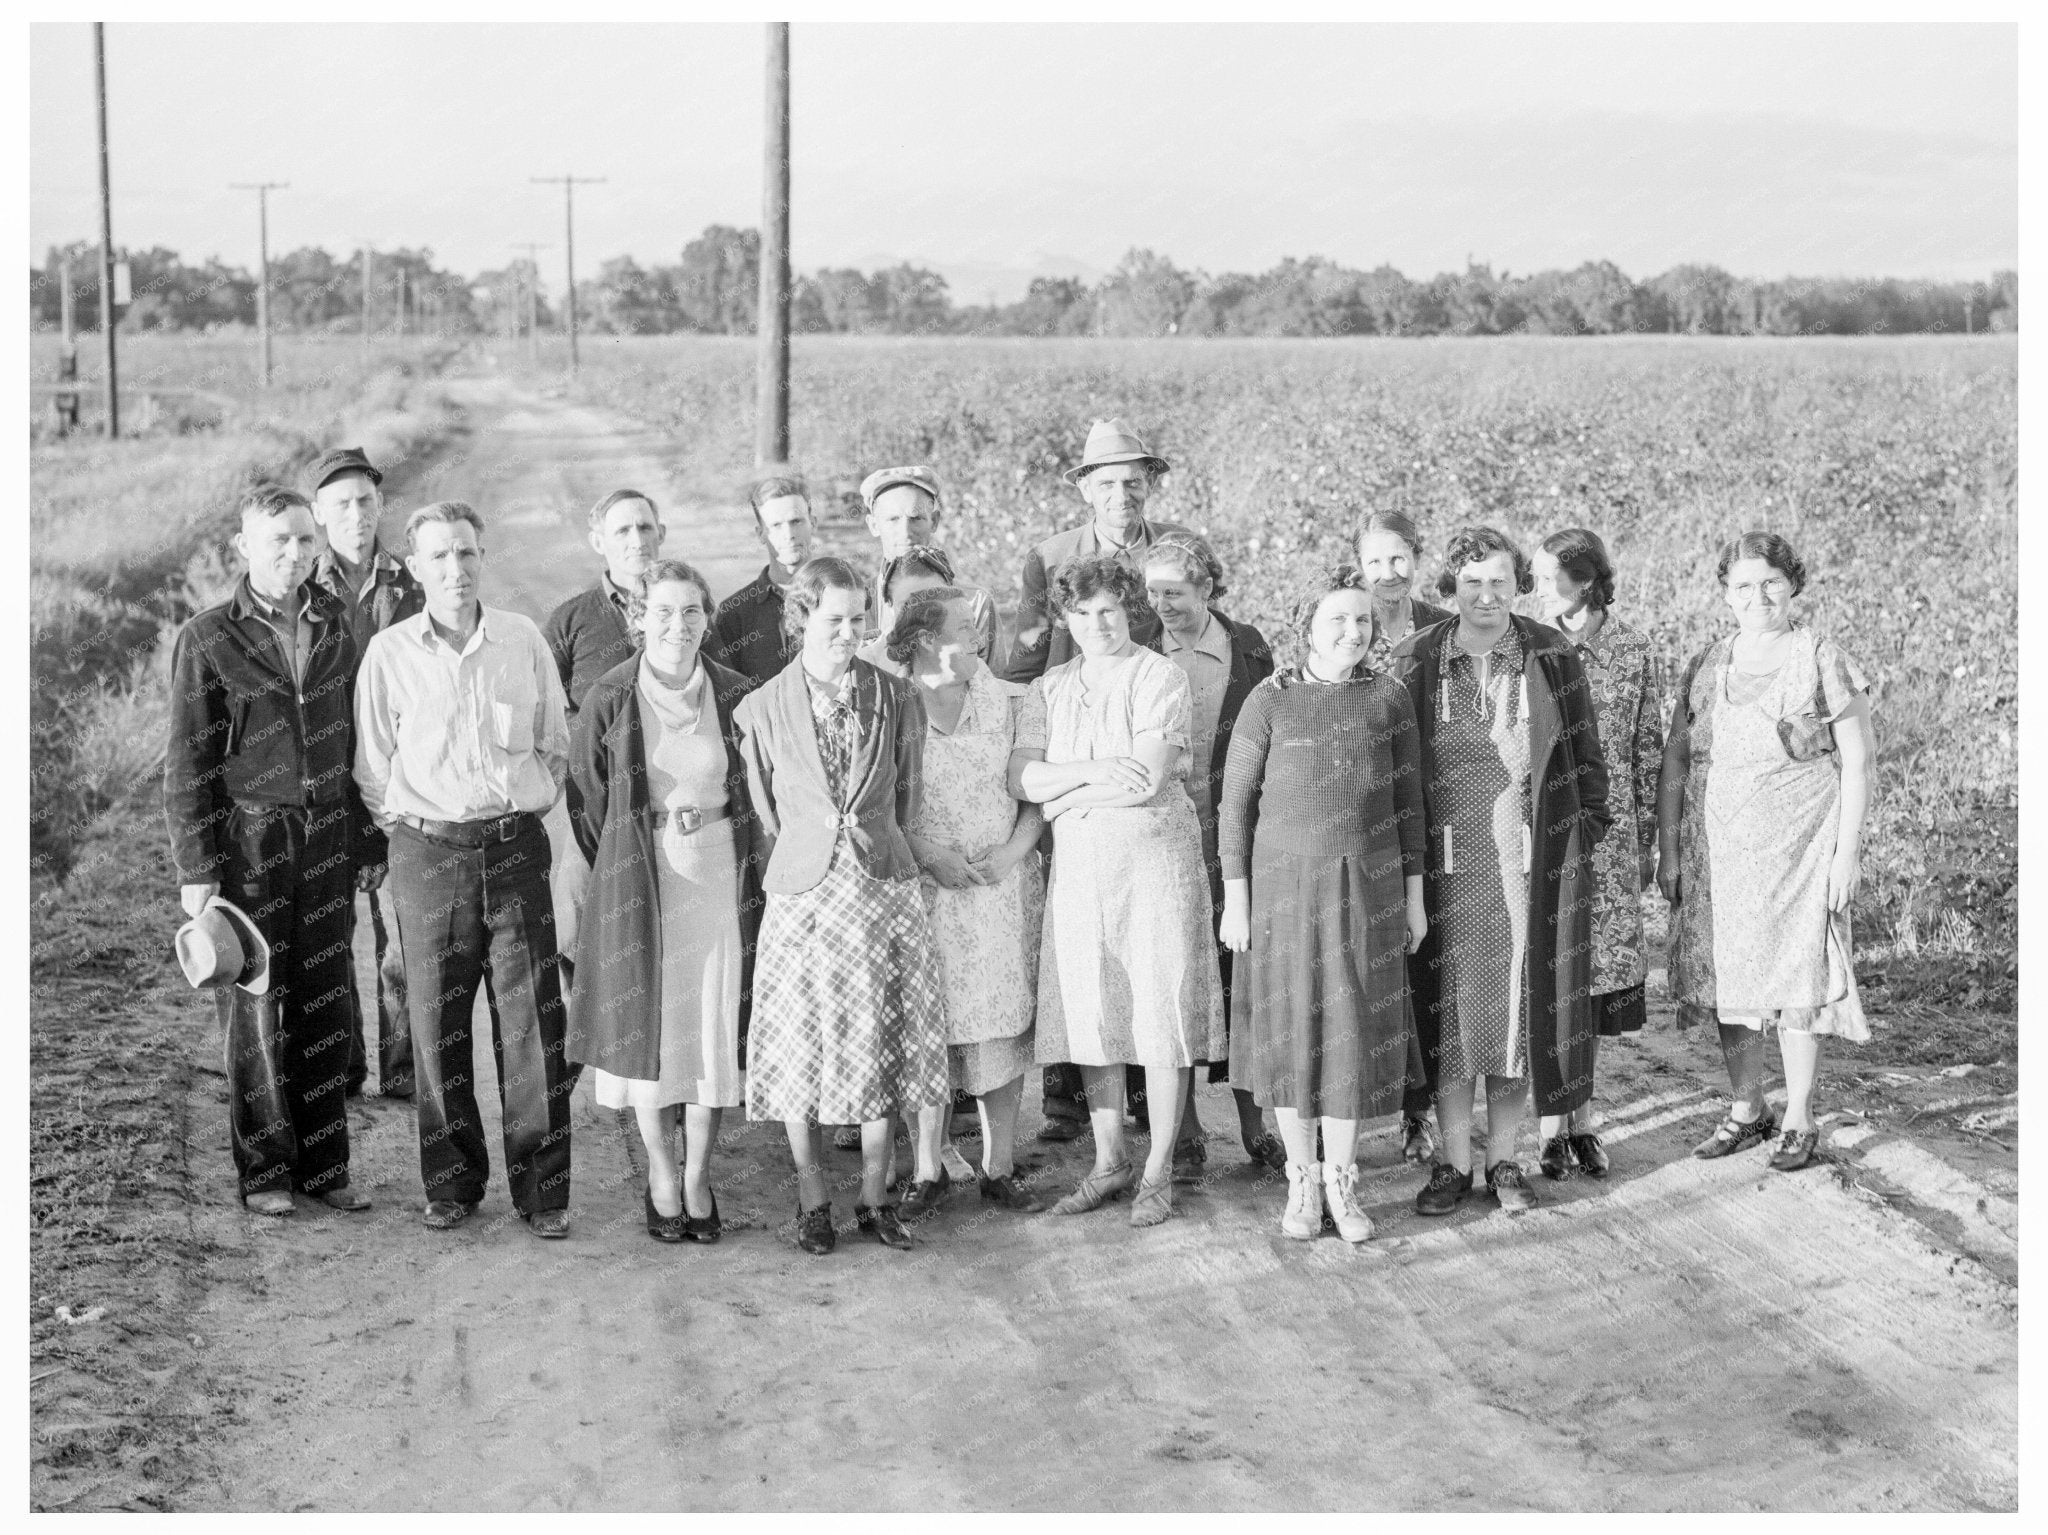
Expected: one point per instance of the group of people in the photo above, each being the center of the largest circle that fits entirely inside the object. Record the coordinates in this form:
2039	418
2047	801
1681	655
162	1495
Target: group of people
842	860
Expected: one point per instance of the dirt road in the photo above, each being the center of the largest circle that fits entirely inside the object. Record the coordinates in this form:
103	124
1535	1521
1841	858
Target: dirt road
1688	1335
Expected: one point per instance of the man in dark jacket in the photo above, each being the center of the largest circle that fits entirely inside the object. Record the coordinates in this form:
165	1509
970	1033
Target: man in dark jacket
597	629
377	589
747	636
263	810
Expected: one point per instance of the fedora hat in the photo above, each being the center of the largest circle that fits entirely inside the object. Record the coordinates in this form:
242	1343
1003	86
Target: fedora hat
1111	442
222	947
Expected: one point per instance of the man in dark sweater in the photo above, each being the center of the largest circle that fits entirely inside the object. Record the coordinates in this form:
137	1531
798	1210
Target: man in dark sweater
263	811
747	633
595	630
376	591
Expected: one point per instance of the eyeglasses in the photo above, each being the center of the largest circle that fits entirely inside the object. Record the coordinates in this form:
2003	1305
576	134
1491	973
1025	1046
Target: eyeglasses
1774	588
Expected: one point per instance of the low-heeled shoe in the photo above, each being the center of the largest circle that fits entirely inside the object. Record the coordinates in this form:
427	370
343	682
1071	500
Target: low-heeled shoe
447	1214
552	1224
663	1228
1008	1192
1590	1155
882	1223
1445	1191
814	1230
1795	1150
705	1228
925	1196
1556	1157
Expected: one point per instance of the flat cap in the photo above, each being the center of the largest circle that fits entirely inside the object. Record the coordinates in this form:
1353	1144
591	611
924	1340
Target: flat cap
341	461
919	475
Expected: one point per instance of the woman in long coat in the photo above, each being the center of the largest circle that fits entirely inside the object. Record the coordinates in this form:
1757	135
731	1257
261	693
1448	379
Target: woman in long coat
1515	796
664	955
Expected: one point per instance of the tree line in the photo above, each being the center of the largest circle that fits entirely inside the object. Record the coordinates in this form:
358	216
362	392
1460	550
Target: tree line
713	289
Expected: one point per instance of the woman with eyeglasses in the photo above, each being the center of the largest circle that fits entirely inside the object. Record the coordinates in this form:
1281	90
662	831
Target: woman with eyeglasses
1760	812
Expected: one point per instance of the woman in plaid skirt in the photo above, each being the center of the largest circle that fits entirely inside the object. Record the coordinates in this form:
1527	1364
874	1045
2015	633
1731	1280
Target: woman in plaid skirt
848	1022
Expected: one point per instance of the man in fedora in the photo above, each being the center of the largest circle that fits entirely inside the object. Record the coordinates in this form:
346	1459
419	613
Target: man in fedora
462	745
1116	477
263	811
903	509
348	503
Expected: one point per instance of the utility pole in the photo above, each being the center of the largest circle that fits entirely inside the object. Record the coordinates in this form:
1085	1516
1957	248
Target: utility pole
529	279
401	301
366	301
99	76
262	189
569	210
771	377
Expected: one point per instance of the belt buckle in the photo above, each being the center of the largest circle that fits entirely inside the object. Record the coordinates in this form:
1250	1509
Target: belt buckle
507	828
688	818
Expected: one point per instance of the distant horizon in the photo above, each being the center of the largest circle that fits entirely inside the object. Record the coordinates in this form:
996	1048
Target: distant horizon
993	154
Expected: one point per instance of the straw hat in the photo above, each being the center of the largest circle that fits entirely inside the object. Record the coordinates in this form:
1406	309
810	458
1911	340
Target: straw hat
1111	442
222	947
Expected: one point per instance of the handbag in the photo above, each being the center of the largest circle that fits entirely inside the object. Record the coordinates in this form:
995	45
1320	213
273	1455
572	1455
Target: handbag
1808	735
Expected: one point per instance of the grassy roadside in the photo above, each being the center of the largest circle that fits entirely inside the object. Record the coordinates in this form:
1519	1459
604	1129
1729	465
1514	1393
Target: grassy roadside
128	539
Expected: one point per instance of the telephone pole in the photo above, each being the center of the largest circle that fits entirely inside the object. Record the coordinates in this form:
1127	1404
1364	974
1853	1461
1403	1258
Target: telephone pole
529	279
366	299
262	189
99	76
569	184
771	378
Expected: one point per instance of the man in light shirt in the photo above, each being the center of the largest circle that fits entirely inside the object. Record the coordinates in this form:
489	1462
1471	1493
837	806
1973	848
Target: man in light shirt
462	746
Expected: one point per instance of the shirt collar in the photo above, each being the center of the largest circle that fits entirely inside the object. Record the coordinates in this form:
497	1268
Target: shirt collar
1213	641
423	628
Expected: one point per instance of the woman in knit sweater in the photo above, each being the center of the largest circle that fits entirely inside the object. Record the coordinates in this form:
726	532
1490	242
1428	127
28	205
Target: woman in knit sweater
1321	839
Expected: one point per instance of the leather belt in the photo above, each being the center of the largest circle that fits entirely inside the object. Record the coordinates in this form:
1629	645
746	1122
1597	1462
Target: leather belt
504	828
689	817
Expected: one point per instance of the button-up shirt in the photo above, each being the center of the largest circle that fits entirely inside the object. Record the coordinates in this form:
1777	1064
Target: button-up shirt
466	735
294	630
1207	664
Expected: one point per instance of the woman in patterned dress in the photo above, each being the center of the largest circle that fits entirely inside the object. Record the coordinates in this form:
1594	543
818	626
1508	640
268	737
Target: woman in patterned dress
1760	816
1516	792
1322	839
1127	971
1389	555
849	1021
978	848
661	817
1575	589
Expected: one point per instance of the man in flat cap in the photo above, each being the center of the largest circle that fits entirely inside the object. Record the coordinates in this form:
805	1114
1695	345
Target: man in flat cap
263	811
376	591
1116	477
903	510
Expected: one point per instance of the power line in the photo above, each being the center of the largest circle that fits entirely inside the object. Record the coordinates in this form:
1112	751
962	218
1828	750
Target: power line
262	189
569	184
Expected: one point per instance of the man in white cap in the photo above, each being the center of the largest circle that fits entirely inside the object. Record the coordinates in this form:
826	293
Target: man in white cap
903	510
263	811
1116	477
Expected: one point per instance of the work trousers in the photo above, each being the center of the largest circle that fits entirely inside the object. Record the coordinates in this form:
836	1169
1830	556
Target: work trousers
394	1034
286	1050
473	916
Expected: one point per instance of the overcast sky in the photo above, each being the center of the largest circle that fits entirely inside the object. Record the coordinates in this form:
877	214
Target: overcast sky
993	152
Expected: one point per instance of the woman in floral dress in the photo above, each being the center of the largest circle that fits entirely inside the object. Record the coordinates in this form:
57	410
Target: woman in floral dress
1760	816
978	848
1575	589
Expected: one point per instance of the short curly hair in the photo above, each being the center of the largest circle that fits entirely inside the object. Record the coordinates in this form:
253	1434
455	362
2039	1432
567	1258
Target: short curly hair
1772	549
922	613
679	570
807	588
1469	545
1083	579
1190	555
1339	578
1581	555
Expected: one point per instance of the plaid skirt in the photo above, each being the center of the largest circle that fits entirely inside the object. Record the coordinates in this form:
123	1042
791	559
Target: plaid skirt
849	1023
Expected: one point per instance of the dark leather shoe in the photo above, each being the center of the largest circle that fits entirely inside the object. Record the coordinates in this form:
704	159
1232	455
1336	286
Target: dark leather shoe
1190	1156
1732	1135
1007	1192
1417	1144
269	1202
339	1196
814	1230
447	1214
552	1224
1556	1157
1504	1181
1268	1150
881	1223
1055	1129
1795	1150
663	1228
924	1198
1446	1189
846	1138
1590	1154
705	1229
